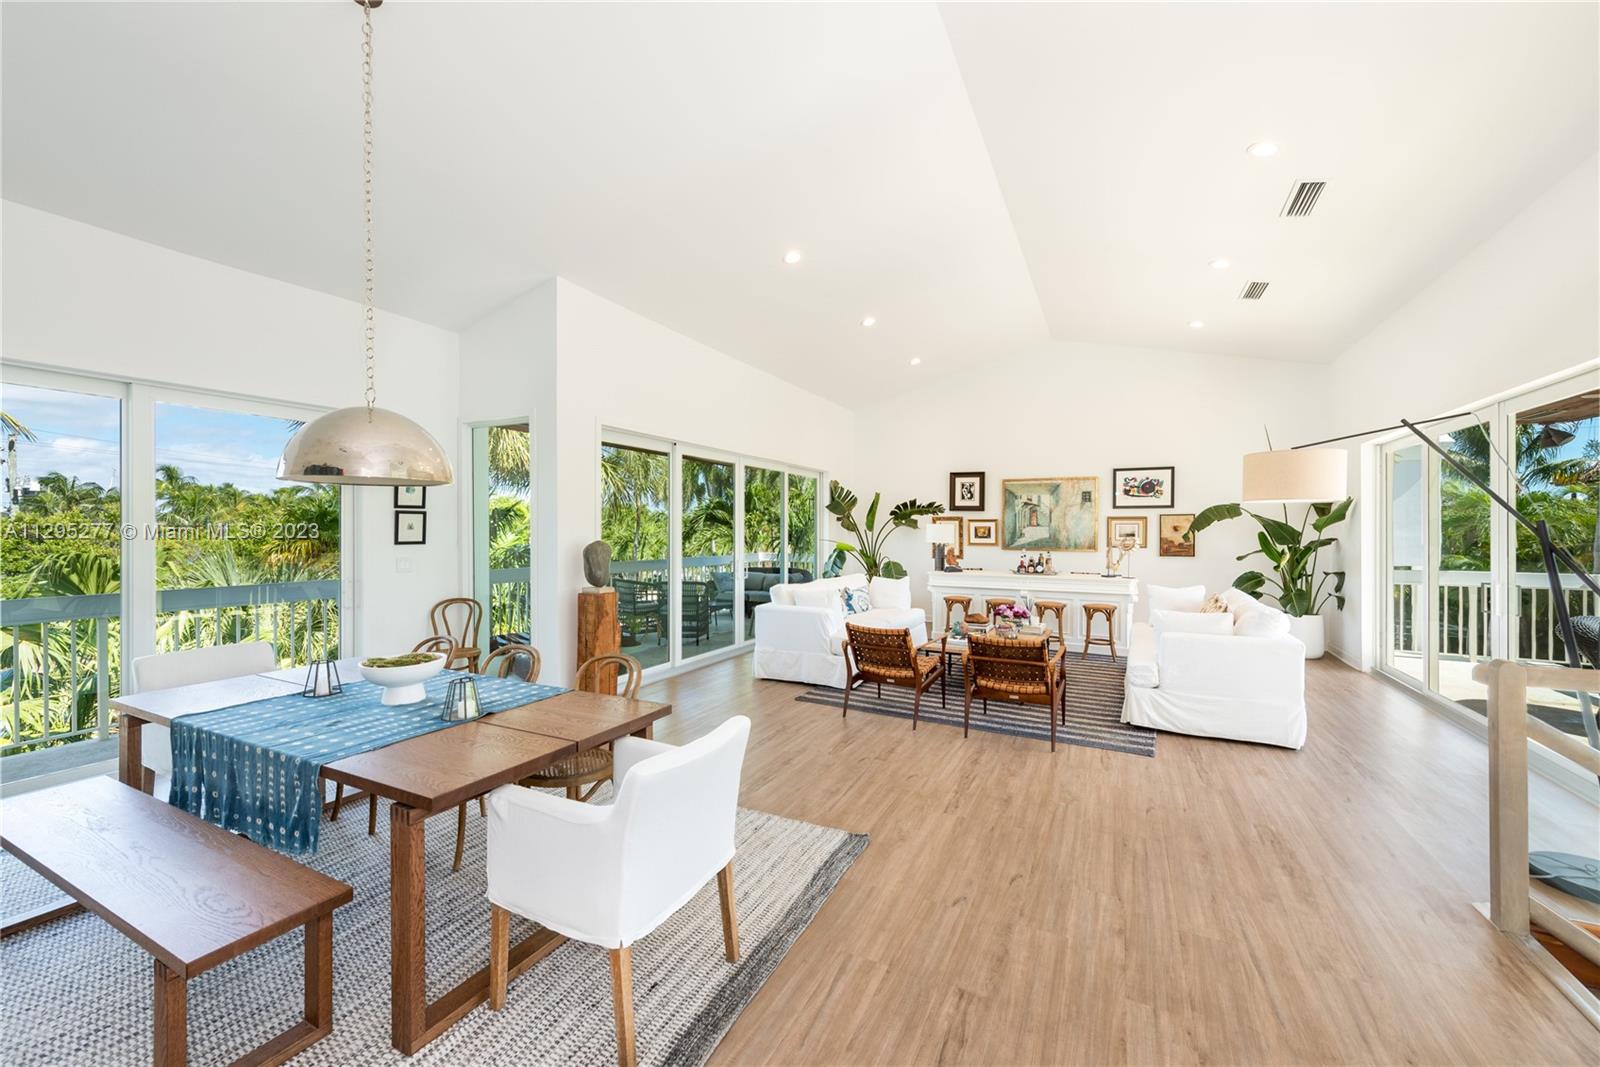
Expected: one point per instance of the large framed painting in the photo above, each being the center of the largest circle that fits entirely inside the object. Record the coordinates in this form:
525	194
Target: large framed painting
966	491
1172	528
1143	487
1053	514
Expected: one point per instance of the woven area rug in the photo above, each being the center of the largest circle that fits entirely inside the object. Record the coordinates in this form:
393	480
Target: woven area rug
1094	707
78	992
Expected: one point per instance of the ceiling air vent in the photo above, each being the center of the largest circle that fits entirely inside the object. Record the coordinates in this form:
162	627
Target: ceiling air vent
1254	291
1302	200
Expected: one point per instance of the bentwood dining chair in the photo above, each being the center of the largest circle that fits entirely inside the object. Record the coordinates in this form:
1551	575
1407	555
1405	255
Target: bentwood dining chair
441	644
191	667
458	618
593	766
510	659
889	657
608	874
1016	669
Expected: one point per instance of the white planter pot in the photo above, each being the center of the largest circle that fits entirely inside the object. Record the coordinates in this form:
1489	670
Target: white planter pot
1308	629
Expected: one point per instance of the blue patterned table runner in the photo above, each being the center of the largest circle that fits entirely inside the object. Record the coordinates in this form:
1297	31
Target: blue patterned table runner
254	768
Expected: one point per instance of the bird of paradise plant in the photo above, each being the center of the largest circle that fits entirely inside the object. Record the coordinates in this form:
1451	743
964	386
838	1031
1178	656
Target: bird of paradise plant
870	538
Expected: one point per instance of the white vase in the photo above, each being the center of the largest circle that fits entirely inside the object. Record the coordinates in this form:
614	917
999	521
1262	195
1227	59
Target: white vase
1309	630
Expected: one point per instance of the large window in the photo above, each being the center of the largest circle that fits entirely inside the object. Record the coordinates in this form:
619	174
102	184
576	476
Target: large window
140	520
697	541
1466	582
241	556
60	567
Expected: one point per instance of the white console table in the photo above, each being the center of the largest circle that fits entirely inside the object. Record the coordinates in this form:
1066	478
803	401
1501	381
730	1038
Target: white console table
1074	590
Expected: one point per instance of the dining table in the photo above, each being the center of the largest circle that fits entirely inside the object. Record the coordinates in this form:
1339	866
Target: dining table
422	776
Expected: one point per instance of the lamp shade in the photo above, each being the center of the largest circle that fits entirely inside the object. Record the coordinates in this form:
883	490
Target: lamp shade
352	446
936	536
1295	476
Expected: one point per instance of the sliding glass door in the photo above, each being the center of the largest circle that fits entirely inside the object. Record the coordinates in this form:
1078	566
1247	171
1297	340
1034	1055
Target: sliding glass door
698	538
1465	582
61	580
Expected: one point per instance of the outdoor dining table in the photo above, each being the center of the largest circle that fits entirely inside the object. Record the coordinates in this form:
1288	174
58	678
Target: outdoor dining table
422	776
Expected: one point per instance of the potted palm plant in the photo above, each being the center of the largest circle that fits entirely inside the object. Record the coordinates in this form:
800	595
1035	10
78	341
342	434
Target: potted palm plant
1294	579
870	538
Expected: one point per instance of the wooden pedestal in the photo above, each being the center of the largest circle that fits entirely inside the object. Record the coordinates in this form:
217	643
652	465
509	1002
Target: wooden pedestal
599	632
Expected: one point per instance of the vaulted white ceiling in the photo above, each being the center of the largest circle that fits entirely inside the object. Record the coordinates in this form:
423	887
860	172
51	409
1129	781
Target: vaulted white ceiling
976	177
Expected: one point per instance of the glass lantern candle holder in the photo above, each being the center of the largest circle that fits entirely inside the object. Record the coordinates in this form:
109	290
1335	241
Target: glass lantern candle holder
461	700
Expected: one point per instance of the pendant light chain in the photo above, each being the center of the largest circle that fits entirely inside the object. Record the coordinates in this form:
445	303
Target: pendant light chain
371	331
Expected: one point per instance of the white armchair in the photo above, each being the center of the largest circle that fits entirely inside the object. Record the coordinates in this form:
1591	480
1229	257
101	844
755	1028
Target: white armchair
608	874
168	670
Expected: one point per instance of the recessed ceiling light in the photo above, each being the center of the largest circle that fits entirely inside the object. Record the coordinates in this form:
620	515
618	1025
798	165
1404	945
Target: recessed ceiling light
1196	324
916	360
1221	264
1263	149
793	256
869	321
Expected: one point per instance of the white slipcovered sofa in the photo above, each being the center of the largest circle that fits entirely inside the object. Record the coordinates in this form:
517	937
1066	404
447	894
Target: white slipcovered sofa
800	633
1235	674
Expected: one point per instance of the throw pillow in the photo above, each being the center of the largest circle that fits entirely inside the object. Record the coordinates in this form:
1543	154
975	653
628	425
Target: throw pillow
1263	620
1191	622
856	600
821	596
891	592
1216	603
1175	598
1239	602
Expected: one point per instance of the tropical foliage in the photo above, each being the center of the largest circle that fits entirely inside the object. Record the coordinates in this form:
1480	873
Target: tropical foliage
870	538
66	538
1294	579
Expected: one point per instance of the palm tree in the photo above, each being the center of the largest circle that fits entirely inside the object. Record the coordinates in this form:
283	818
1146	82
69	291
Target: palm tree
510	452
14	427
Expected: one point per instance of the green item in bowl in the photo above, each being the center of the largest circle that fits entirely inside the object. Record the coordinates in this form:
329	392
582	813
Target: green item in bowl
410	659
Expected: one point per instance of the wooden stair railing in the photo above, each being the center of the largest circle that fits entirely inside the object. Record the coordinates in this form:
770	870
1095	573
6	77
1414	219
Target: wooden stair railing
1513	906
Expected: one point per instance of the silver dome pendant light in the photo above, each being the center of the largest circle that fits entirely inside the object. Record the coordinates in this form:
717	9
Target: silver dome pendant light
365	445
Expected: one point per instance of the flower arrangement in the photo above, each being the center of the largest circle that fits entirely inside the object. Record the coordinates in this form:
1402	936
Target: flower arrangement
1013	612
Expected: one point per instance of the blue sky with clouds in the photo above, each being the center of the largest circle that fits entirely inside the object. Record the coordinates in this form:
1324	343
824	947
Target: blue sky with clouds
79	435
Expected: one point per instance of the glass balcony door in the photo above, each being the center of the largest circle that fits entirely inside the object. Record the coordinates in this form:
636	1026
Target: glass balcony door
502	531
61	574
698	537
1554	439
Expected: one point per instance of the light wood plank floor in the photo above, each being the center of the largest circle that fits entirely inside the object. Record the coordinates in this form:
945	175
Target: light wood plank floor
1221	903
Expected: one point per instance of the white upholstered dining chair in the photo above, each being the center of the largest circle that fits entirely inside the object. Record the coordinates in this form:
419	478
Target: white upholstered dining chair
608	874
168	670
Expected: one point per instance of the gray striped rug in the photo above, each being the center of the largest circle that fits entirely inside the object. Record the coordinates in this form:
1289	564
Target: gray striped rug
78	992
1094	707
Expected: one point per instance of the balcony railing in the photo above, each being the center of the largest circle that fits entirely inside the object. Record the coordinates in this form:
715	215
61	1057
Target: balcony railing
510	603
62	663
1461	616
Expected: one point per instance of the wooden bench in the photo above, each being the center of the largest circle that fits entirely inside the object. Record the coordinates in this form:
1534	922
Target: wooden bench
189	893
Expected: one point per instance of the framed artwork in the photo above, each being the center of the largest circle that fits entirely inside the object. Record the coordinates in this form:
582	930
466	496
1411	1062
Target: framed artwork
967	491
1054	514
410	497
1120	526
1172	529
951	526
983	533
1143	487
410	527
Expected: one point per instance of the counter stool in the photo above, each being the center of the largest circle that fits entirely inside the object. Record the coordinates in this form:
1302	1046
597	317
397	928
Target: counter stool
1109	612
1045	607
953	602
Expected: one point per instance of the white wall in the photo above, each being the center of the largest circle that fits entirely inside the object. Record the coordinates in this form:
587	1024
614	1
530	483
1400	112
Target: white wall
508	373
578	363
1083	409
1522	306
78	298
